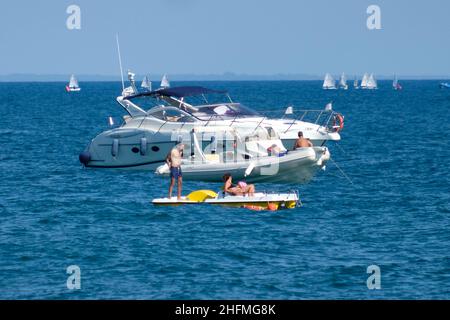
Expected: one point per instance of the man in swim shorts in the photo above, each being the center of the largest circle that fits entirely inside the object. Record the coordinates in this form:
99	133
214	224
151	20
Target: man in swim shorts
173	160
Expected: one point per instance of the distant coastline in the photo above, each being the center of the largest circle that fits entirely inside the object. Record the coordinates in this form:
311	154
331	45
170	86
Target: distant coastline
199	77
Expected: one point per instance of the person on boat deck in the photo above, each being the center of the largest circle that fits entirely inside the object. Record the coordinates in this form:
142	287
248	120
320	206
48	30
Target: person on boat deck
302	142
241	189
173	160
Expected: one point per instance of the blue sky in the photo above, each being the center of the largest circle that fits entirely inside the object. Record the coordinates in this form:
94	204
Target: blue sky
257	37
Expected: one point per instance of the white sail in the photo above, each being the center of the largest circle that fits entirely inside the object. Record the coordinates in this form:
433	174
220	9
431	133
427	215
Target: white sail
356	84
365	80
328	82
165	82
372	83
73	83
343	82
395	82
146	84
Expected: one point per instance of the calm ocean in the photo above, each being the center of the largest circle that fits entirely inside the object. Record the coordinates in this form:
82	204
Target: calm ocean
54	213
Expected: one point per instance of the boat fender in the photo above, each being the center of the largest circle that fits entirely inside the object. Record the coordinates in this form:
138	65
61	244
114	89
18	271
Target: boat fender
143	146
163	169
115	148
85	157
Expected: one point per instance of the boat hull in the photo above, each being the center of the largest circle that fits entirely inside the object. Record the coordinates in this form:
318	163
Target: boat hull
129	153
298	166
68	89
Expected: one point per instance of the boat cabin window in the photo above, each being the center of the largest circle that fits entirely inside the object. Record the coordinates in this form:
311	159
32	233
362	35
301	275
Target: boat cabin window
224	111
272	134
171	115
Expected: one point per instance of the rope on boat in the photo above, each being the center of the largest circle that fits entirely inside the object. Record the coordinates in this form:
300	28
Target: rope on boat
342	171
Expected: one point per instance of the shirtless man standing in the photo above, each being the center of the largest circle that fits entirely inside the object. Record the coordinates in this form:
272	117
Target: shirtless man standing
173	160
302	142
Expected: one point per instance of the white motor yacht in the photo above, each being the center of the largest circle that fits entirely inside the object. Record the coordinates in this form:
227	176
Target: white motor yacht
159	119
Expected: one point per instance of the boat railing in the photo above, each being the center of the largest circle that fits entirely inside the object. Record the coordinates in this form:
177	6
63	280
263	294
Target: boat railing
322	117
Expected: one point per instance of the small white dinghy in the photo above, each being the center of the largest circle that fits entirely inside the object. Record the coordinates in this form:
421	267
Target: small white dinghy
73	85
329	83
368	82
146	84
259	201
343	82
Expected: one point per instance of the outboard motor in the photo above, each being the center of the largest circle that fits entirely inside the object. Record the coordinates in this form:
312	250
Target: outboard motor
85	157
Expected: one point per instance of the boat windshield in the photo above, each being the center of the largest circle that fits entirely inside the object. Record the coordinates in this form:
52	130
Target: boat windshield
170	114
223	111
147	103
206	112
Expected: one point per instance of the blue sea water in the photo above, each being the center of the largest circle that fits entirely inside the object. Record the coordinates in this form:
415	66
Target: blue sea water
54	213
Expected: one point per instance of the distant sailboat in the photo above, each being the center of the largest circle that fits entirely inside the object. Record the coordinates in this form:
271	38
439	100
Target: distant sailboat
329	83
73	84
343	82
165	82
372	83
395	84
146	84
356	84
369	82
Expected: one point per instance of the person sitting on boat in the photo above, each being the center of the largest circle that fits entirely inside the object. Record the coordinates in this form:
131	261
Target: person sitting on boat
302	142
173	160
241	189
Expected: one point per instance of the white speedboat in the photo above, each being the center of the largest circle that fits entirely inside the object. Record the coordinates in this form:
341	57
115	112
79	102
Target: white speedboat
252	157
159	119
444	85
329	83
343	82
73	85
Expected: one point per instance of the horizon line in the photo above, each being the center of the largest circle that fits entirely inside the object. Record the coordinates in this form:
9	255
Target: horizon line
227	76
